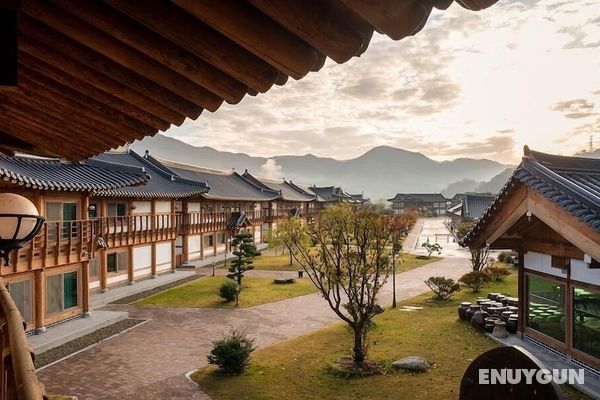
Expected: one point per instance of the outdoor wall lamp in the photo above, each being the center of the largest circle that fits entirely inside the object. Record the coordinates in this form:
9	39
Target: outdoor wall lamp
92	208
20	221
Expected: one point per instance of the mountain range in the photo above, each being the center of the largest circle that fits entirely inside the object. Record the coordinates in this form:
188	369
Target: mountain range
379	173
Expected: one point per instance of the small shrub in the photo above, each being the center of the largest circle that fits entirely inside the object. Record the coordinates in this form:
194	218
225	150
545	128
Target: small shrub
232	353
442	287
475	280
431	248
497	274
507	256
228	291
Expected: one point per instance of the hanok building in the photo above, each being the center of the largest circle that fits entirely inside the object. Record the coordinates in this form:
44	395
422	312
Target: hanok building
549	212
424	204
233	203
468	210
48	276
329	195
293	201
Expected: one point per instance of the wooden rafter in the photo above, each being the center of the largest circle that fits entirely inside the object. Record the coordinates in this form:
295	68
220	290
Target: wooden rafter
98	74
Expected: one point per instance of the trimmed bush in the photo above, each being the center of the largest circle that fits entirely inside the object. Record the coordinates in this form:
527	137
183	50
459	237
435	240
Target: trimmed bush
442	287
507	256
497	273
475	280
232	353
228	291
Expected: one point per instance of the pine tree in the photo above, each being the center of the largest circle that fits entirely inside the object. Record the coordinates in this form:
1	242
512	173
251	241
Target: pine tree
244	251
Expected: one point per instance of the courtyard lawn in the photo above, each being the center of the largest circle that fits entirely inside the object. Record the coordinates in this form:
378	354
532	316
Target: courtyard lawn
281	262
202	293
295	369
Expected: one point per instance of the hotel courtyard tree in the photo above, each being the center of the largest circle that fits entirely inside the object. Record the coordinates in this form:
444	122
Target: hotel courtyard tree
349	266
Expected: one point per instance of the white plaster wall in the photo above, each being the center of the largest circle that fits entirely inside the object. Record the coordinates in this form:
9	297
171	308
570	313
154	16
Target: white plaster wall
257	235
194	247
162	207
142	257
116	279
163	256
142	272
142	207
542	263
580	271
94	285
194	207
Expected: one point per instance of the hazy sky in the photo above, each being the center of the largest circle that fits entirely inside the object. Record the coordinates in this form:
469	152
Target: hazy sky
468	85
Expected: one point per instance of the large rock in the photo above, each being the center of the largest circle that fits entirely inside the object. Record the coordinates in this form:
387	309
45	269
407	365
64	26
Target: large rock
284	281
412	363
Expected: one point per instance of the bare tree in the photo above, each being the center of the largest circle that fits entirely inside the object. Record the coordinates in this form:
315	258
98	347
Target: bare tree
479	257
349	265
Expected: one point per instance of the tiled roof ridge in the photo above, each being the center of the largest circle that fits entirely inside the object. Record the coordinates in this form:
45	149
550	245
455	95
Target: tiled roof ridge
252	180
192	167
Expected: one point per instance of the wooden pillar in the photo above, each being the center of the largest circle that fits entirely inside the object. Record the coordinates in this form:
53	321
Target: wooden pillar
130	264
85	288
185	249
522	288
215	244
185	212
39	282
153	262
569	313
202	246
103	271
173	255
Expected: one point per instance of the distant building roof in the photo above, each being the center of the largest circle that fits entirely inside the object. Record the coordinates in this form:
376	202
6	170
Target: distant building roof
286	190
573	183
359	198
424	197
475	205
331	193
162	183
222	185
55	174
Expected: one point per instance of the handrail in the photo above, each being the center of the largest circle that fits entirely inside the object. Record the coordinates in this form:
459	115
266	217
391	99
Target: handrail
19	380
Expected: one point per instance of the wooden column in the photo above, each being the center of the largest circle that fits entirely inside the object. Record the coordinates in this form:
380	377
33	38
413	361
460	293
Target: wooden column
130	261
39	282
185	250
215	244
569	313
202	246
185	212
522	287
103	271
173	255
85	287
153	263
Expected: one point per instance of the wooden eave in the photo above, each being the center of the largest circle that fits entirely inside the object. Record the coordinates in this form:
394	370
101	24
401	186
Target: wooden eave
94	75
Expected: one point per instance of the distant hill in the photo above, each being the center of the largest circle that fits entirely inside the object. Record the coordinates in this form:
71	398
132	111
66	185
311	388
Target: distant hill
471	186
379	173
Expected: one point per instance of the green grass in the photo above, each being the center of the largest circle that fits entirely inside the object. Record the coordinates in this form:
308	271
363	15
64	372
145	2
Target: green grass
202	293
295	369
281	262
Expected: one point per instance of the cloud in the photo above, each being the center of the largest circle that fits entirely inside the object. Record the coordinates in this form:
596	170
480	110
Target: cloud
270	169
576	109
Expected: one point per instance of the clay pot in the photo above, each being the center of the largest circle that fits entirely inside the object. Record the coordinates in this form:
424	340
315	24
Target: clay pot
485	305
512	325
472	310
490	323
481	300
506	315
492	296
500	329
478	320
462	310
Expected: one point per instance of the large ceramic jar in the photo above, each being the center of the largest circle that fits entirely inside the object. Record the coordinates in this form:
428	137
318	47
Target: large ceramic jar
478	320
472	310
505	315
500	330
490	322
512	326
462	310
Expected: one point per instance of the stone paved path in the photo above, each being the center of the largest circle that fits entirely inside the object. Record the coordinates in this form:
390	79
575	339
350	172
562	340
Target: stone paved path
149	362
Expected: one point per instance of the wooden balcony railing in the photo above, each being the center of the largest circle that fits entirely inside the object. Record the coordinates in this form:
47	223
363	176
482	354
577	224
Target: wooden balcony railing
19	380
137	229
57	243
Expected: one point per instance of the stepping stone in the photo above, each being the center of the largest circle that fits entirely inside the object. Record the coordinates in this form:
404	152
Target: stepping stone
283	281
412	363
